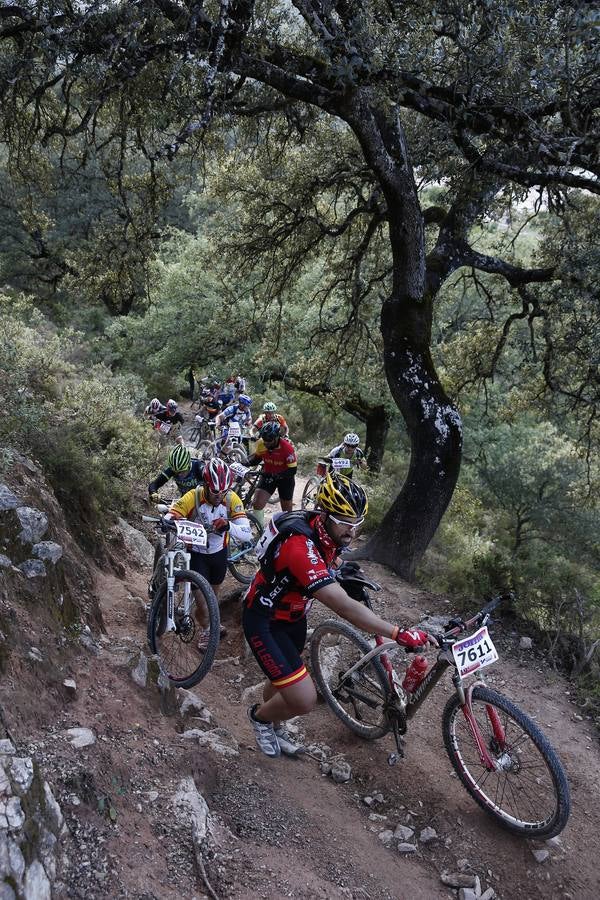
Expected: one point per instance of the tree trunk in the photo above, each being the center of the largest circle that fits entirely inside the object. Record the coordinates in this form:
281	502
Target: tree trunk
435	431
378	423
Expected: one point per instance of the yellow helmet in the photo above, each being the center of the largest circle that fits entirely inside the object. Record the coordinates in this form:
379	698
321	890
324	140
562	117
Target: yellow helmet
338	494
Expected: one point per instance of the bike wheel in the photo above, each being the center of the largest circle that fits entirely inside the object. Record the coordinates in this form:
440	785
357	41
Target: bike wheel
309	494
359	700
177	651
206	449
242	561
527	793
238	455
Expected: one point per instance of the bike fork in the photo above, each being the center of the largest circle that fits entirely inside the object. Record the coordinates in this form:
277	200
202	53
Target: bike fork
486	759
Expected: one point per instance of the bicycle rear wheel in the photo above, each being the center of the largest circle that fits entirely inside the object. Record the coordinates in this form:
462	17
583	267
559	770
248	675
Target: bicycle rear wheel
178	654
242	561
527	793
309	494
360	699
206	449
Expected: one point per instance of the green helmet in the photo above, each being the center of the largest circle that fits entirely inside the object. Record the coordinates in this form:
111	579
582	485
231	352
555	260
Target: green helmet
269	407
180	459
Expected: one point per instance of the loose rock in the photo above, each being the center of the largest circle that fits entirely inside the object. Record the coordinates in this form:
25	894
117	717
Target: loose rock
427	835
81	737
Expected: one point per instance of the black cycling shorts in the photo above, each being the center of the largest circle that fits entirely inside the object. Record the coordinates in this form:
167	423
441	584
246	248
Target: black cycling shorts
276	647
212	565
284	483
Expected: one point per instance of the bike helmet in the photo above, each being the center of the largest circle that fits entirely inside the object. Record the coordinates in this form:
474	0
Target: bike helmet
217	476
269	407
180	459
154	405
341	495
270	431
245	400
351	439
172	406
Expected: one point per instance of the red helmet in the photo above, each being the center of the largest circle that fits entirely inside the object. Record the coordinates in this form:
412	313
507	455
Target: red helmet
217	476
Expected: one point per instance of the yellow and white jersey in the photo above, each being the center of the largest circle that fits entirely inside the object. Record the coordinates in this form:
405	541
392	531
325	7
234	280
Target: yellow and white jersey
195	506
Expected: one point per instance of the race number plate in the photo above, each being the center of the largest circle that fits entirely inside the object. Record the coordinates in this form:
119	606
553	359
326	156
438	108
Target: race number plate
234	430
238	469
192	533
474	652
164	427
338	462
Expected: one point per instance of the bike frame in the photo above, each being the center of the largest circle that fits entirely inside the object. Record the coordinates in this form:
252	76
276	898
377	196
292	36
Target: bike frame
405	706
173	550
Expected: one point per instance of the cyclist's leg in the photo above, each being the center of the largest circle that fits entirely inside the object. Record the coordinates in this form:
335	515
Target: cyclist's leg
285	487
277	647
266	486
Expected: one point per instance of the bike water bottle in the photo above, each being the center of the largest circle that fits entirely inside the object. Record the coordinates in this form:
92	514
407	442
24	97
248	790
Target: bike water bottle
414	674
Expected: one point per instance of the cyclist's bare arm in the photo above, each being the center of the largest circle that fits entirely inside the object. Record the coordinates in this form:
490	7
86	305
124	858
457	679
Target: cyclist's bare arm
336	598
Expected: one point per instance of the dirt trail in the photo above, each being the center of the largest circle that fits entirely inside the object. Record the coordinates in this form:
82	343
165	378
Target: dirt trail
285	829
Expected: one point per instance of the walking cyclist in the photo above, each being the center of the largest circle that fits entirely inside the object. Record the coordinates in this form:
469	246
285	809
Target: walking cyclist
294	571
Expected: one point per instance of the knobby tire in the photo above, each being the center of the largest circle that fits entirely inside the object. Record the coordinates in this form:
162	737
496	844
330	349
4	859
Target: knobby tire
309	494
529	794
177	652
360	702
245	570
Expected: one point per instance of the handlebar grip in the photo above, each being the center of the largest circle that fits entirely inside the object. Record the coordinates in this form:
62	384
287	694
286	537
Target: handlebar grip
150	519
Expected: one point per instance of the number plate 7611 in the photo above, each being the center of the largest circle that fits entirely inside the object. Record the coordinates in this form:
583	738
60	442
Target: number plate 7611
474	652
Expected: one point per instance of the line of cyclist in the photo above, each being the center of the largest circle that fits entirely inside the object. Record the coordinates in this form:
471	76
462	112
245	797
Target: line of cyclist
296	563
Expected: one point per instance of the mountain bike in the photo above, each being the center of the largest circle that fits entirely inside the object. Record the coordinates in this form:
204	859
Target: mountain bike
229	447
183	605
246	481
311	488
499	754
203	431
242	561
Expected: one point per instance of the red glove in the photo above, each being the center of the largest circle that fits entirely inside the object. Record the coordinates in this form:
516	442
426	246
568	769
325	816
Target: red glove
221	525
411	639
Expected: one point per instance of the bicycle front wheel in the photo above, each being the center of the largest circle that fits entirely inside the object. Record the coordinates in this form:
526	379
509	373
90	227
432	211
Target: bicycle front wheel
206	449
309	494
186	654
360	699
242	561
527	792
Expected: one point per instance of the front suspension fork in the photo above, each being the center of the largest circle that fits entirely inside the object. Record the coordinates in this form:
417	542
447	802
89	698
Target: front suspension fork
494	718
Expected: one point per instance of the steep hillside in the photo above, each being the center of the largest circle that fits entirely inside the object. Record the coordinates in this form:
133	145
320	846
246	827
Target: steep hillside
164	794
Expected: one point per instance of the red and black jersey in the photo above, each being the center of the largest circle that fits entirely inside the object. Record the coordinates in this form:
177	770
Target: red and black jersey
278	460
300	568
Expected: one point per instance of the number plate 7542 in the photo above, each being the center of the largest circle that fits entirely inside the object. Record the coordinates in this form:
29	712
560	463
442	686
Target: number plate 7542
474	652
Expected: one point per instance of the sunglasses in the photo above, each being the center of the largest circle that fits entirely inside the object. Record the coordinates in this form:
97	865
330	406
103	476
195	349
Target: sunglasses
352	525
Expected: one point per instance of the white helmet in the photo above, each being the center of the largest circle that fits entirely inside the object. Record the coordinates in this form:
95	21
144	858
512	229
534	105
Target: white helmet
351	439
155	405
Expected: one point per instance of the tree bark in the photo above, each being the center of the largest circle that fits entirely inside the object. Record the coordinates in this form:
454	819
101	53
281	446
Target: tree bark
435	431
378	423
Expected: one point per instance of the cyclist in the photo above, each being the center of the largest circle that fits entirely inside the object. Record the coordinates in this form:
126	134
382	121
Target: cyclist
235	412
270	414
154	408
185	472
349	450
221	512
278	456
239	384
277	601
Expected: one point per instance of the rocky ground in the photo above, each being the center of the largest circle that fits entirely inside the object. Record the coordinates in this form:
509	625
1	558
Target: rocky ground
167	796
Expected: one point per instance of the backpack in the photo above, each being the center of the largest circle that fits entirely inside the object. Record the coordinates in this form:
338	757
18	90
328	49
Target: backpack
282	526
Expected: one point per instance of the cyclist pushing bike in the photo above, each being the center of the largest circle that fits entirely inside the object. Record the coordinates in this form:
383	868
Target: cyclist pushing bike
222	513
296	555
185	472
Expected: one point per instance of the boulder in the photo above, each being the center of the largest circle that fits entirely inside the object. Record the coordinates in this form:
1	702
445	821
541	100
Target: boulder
7	498
34	524
138	546
48	550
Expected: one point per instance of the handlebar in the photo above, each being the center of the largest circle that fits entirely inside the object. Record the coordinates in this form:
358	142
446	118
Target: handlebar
458	626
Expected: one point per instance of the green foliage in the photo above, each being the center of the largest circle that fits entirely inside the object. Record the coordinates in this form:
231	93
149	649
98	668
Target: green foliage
77	422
